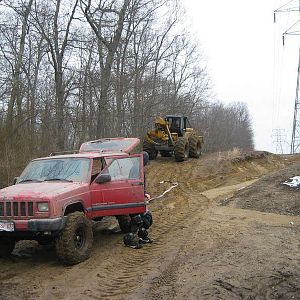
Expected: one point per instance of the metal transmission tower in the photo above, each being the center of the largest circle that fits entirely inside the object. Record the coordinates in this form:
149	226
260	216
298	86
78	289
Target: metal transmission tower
295	145
279	138
293	30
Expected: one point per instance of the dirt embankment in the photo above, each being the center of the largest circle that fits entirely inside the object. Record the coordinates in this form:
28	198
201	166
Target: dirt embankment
209	244
270	194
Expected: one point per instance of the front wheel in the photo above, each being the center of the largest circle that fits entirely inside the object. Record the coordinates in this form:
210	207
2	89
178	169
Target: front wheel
181	149
7	246
74	243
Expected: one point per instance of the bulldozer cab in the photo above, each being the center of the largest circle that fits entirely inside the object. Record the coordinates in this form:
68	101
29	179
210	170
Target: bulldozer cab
177	124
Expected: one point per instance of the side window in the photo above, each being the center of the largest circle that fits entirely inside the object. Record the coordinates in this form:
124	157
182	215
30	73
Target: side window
130	167
124	168
97	167
114	171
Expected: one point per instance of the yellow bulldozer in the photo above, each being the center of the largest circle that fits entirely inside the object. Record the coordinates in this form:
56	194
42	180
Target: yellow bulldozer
173	135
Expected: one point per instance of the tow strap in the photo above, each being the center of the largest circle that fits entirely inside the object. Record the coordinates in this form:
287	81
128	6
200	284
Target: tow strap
174	185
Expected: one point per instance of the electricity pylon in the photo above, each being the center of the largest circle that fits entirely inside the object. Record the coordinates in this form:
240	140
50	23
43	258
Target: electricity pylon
293	30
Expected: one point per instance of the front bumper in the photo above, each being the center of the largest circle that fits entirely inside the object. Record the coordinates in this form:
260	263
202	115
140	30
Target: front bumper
38	225
56	224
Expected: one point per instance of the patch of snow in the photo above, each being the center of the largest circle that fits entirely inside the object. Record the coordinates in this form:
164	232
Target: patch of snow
294	182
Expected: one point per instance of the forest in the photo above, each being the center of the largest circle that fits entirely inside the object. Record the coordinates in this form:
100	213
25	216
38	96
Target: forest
77	70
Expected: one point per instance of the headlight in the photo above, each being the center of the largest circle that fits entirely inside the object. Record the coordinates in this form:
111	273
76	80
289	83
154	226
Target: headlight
43	206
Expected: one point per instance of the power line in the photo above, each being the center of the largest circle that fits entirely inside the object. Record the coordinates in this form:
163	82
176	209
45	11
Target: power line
288	7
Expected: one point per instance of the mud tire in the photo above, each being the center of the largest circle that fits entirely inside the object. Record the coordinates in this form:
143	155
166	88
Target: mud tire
194	146
150	149
124	223
165	153
7	246
181	149
74	243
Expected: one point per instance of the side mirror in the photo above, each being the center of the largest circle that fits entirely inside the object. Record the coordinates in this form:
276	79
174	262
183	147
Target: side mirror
15	180
103	178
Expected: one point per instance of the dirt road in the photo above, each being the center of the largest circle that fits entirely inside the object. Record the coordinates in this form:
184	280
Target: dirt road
208	244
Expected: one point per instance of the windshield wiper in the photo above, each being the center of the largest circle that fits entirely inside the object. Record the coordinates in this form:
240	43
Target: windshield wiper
29	180
60	179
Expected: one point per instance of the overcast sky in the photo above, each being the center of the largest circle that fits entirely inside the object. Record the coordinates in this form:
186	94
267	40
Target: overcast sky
247	61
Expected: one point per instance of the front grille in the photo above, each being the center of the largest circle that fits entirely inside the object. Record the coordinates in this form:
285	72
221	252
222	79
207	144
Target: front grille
16	209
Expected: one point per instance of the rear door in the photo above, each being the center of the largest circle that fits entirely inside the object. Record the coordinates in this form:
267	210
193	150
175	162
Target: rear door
124	194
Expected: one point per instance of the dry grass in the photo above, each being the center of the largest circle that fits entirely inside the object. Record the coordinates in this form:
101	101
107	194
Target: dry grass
237	155
230	155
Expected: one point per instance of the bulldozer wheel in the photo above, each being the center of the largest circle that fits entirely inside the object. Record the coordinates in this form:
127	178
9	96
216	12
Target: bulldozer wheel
149	148
195	147
181	149
165	153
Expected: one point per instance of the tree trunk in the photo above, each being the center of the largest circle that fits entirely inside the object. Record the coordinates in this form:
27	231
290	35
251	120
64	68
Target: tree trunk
16	95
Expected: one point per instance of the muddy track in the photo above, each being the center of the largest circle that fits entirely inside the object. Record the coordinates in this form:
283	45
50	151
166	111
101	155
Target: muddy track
116	272
174	220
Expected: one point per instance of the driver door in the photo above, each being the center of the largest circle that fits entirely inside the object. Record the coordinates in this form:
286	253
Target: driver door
124	193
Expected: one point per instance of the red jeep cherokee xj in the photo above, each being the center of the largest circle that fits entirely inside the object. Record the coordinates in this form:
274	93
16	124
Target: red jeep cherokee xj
57	197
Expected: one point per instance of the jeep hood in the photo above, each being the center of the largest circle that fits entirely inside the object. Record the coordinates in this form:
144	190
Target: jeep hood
38	190
110	145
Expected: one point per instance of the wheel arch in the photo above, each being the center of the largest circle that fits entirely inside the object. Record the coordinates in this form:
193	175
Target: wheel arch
73	207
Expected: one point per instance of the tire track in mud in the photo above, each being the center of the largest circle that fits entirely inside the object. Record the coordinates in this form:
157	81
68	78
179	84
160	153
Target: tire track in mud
189	189
120	278
174	218
135	263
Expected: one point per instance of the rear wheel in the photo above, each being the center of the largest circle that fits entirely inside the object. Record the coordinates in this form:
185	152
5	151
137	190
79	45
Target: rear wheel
181	149
124	223
150	149
194	146
74	243
7	246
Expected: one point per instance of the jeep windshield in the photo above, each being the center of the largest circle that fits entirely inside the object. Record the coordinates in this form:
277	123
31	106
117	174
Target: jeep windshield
60	169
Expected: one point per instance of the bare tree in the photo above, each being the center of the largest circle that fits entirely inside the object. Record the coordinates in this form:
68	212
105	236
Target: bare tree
109	38
49	25
16	93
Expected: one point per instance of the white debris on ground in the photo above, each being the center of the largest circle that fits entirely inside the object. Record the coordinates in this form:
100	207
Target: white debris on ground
294	182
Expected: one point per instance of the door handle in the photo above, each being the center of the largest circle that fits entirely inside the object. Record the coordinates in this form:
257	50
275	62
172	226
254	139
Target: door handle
137	183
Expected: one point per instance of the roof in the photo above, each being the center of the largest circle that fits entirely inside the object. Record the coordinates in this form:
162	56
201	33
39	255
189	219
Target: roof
98	148
85	155
175	116
110	144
